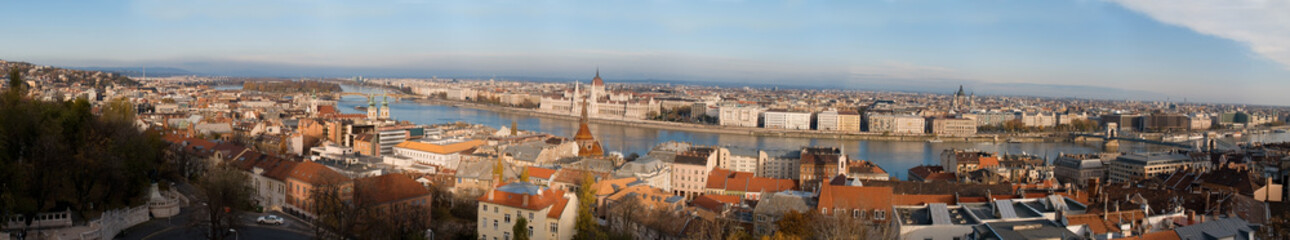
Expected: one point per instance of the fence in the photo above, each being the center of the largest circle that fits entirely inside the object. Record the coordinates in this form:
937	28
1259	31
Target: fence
42	220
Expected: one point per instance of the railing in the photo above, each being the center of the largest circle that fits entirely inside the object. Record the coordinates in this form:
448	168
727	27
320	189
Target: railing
41	220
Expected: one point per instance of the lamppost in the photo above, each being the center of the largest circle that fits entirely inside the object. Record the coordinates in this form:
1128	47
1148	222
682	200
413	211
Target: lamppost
235	235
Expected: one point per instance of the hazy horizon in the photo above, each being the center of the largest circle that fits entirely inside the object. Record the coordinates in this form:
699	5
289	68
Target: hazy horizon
1221	52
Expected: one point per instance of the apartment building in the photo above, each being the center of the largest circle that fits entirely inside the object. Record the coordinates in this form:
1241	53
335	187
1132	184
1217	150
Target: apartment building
783	119
550	213
897	124
739	116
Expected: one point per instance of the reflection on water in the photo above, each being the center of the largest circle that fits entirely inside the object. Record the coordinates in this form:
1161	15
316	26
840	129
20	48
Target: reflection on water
895	157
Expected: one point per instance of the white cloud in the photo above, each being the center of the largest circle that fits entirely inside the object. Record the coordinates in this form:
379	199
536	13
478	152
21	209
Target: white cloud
1263	25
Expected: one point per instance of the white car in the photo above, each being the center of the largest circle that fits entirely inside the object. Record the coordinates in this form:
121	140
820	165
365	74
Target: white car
269	219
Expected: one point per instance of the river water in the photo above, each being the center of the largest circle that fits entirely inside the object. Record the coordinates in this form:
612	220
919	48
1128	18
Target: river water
895	157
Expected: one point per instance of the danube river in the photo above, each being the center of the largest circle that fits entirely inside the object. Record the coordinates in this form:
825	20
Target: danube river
895	157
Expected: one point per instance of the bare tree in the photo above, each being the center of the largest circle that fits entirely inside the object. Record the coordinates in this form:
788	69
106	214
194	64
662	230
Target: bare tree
843	227
226	192
334	216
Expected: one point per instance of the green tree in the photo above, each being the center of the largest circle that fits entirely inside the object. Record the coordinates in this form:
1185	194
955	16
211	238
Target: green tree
16	86
586	226
521	229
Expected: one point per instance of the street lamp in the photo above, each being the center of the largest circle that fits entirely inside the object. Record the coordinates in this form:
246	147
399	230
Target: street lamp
235	235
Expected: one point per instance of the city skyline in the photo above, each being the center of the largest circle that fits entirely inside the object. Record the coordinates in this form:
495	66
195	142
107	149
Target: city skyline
1120	49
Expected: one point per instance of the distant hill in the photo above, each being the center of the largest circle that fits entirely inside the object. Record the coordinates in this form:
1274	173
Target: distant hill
138	71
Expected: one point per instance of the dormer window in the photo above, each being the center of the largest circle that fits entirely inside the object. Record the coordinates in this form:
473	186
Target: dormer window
838	211
824	211
857	213
879	214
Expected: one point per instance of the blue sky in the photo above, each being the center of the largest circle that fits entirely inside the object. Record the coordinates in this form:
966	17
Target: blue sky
1219	51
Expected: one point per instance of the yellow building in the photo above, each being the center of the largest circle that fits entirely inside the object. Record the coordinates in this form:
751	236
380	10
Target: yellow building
550	213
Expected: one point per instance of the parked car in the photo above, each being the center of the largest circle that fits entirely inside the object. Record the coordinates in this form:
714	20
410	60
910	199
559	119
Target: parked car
269	219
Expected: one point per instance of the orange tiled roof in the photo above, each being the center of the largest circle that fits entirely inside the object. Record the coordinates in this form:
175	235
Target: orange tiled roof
920	199
607	187
714	202
746	182
388	188
545	198
316	174
1158	235
441	149
543	173
853	197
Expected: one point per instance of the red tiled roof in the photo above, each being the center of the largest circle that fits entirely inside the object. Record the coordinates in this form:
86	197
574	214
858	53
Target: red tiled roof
714	202
746	182
387	188
316	174
537	172
574	176
853	197
545	198
920	199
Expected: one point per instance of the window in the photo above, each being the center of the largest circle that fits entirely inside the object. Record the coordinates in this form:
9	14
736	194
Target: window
530	216
856	213
530	231
506	235
484	206
555	228
494	224
879	214
508	218
838	212
824	211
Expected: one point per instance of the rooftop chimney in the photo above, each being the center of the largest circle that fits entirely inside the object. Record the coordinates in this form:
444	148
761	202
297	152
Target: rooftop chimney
526	200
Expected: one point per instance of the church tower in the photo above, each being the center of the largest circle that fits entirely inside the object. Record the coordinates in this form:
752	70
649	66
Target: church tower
597	92
587	144
371	108
385	107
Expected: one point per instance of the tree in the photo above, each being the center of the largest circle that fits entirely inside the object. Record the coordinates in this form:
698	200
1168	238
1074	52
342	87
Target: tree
335	217
794	224
524	175
16	86
521	229
586	226
227	192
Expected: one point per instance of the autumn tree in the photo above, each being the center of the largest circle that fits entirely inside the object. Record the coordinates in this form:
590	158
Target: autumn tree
795	224
585	226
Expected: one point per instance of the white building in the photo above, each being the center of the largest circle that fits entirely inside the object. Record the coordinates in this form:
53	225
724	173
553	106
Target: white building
445	154
828	121
897	124
741	116
781	119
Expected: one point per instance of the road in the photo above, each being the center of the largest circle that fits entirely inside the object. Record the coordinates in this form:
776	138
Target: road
187	226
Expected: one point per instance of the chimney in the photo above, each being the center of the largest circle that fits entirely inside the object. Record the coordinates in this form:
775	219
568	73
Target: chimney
490	195
526	200
1191	216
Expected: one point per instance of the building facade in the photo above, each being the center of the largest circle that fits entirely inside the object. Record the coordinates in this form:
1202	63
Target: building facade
739	116
781	119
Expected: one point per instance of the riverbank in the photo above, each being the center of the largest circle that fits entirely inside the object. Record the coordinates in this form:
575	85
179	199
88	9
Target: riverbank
759	132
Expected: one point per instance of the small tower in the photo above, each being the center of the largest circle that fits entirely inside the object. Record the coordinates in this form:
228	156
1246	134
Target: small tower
385	107
371	108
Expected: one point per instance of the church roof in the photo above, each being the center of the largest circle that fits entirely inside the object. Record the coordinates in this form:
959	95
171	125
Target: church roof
596	81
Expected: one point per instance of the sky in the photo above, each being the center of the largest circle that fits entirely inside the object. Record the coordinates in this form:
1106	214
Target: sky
1229	51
